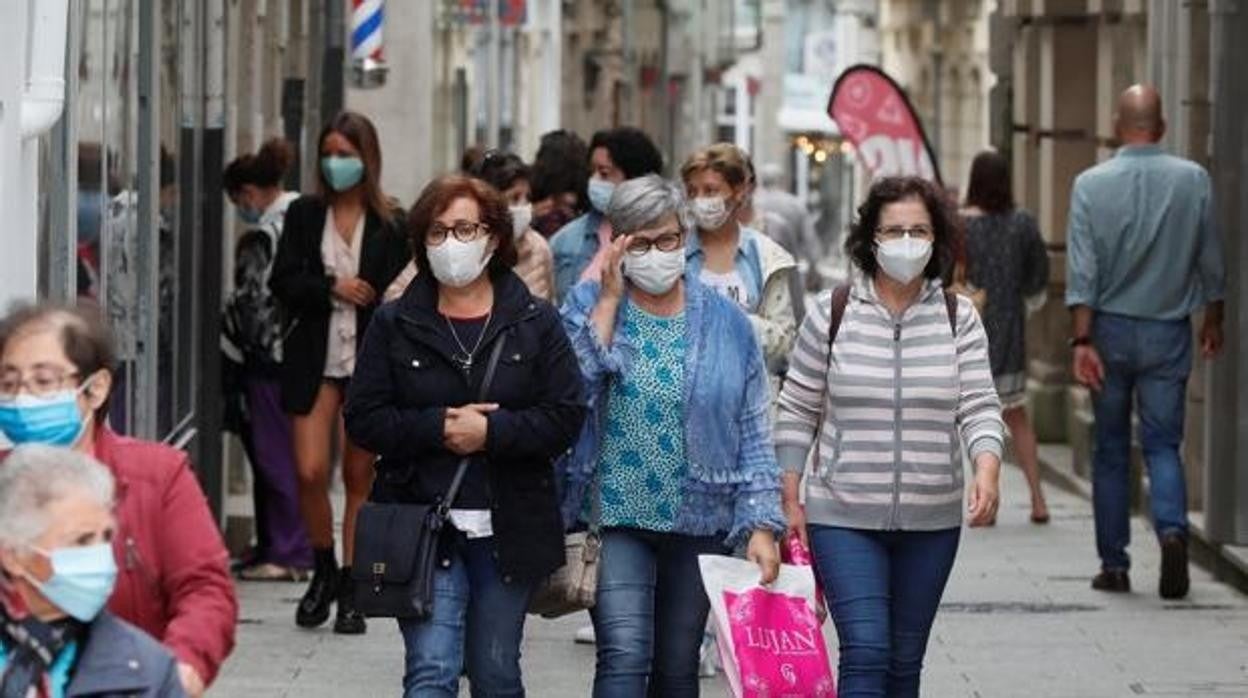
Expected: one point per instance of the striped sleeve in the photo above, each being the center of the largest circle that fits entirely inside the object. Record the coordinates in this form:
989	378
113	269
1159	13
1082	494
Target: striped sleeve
800	405
979	408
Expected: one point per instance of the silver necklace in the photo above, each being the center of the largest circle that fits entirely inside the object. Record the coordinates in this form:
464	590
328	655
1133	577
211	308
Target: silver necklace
465	357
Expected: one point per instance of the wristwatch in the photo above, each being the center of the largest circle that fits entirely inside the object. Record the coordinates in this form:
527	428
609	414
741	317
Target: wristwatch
1079	341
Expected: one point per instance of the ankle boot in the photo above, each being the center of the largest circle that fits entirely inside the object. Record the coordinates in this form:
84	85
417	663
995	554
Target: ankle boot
313	608
349	620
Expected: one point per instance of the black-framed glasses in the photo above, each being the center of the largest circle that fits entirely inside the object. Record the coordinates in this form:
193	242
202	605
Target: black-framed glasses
464	231
667	242
40	382
897	232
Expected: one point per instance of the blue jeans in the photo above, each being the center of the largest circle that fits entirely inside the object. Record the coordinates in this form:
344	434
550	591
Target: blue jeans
478	620
1148	360
650	613
883	590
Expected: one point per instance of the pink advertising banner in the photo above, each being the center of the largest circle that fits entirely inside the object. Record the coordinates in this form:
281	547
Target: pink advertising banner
873	113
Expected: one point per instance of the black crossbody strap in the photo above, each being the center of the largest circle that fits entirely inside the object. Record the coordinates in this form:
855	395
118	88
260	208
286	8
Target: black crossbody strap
462	470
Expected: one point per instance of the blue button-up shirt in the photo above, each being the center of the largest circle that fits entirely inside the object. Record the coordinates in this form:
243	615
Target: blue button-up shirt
1141	240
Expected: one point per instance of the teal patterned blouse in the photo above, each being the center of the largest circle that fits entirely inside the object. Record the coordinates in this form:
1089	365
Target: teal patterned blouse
642	461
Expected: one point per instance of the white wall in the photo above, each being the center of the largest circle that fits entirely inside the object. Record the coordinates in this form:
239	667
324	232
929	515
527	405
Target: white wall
18	166
403	108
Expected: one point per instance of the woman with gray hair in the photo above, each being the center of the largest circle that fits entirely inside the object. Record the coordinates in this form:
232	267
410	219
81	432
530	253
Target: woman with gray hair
677	459
56	574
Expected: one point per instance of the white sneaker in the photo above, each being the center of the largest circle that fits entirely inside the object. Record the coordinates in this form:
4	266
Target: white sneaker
584	635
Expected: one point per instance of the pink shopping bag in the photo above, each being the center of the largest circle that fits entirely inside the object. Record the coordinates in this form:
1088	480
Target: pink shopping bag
770	639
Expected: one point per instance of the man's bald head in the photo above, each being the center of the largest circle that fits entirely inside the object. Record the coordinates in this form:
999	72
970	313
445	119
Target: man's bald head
1139	119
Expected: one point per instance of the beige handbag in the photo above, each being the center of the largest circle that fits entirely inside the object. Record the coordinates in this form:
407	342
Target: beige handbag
574	586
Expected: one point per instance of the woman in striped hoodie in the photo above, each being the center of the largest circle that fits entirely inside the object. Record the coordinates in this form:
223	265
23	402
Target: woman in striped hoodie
887	381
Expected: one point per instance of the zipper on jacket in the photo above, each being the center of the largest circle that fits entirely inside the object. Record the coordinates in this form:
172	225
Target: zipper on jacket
896	515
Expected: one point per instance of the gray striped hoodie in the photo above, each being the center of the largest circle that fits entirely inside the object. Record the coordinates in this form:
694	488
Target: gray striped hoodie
889	411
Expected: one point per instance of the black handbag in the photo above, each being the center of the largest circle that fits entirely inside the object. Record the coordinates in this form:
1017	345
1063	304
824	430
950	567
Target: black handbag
396	545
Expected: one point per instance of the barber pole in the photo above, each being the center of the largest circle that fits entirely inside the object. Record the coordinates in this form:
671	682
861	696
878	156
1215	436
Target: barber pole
368	19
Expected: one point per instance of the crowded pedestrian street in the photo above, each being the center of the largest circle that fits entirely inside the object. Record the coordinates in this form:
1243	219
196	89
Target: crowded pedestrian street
623	348
1017	620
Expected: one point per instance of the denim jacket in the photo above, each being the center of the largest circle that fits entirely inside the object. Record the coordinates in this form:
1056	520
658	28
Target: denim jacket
733	480
572	249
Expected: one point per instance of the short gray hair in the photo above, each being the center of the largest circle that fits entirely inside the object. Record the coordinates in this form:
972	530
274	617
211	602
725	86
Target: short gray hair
643	202
33	477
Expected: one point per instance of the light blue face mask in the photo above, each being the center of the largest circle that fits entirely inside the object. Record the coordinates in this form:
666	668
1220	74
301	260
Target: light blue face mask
600	192
54	420
82	579
248	214
342	173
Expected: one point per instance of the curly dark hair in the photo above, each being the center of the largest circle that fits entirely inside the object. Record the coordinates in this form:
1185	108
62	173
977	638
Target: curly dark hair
560	166
860	245
631	150
439	195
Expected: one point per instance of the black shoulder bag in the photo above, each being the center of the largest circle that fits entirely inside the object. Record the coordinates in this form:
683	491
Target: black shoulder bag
396	545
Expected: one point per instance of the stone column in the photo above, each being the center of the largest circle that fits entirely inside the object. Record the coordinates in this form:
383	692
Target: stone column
1065	112
1226	488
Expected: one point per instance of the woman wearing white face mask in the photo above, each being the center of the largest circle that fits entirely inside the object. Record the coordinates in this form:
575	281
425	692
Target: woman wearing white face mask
749	268
56	574
415	401
676	458
510	176
887	380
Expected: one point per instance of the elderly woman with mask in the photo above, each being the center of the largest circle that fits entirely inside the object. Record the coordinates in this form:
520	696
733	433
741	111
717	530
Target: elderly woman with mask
56	381
56	574
676	460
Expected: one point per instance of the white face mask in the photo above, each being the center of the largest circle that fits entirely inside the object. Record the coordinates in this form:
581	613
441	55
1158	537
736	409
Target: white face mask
656	271
458	264
521	217
903	260
711	212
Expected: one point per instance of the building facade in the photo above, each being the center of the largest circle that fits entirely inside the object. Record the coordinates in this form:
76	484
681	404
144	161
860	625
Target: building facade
938	51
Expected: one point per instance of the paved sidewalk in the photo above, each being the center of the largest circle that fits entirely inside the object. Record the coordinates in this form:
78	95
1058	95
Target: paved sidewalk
1018	620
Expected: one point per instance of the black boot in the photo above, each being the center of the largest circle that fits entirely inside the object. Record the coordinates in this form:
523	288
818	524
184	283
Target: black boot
349	620
313	608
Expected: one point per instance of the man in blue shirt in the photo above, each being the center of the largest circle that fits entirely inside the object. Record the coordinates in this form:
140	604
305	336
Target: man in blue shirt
1143	256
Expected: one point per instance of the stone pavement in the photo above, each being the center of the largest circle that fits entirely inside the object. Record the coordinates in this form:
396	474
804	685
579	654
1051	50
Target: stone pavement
1018	620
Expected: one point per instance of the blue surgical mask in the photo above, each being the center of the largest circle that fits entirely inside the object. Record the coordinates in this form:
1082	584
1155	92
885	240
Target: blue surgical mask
600	192
82	579
53	420
248	214
342	173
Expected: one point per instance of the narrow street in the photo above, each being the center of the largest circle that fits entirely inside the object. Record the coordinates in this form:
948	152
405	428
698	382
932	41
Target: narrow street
1018	620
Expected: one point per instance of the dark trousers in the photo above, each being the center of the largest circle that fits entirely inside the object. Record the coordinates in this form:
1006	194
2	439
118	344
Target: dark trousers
283	540
883	590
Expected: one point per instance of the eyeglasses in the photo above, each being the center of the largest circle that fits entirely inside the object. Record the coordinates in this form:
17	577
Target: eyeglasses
464	231
896	232
41	382
666	242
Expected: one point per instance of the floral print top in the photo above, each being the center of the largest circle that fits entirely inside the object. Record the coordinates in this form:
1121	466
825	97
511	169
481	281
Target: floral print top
642	462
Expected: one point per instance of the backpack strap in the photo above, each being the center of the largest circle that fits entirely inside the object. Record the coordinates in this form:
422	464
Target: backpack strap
840	300
951	305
